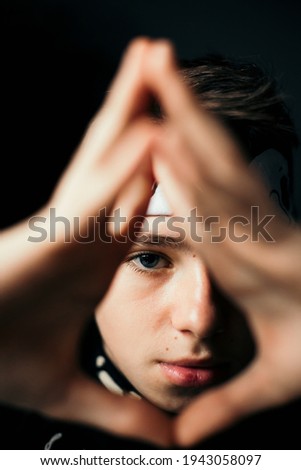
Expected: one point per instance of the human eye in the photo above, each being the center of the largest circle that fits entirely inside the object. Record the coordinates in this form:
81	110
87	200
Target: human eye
148	261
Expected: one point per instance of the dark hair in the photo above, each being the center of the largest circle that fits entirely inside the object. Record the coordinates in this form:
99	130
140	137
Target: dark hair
245	98
248	101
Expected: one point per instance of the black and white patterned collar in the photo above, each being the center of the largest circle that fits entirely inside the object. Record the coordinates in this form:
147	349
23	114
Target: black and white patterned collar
99	366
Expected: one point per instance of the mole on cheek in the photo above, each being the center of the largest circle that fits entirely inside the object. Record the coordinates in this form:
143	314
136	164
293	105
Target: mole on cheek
166	349
176	337
193	256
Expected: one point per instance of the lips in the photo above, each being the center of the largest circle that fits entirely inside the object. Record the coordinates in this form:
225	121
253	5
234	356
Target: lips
193	373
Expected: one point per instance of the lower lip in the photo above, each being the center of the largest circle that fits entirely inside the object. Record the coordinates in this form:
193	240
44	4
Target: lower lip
186	376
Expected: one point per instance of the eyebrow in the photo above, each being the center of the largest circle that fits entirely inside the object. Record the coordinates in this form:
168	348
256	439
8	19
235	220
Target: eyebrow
151	239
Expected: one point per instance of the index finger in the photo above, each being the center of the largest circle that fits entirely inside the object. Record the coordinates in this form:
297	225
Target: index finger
205	135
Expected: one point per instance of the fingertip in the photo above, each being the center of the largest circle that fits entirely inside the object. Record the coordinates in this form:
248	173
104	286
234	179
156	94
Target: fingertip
180	437
162	55
165	45
137	45
158	54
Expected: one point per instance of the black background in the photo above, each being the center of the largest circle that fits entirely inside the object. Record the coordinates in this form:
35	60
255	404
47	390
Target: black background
60	55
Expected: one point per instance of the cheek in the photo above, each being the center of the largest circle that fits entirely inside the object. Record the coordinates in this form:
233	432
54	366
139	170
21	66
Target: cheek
133	313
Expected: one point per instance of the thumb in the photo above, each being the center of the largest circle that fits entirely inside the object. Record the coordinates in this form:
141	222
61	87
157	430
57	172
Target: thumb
89	403
223	406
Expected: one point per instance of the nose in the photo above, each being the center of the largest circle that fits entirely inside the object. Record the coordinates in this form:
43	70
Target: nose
193	309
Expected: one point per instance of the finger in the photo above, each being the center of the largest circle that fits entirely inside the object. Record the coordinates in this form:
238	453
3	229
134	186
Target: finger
216	410
89	403
207	231
227	225
214	192
189	192
105	179
213	153
134	199
207	136
126	172
176	171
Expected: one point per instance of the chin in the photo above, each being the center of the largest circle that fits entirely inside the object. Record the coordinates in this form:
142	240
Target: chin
174	404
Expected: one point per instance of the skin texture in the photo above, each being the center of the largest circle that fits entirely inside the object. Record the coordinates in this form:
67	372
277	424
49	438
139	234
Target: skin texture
167	312
201	166
50	289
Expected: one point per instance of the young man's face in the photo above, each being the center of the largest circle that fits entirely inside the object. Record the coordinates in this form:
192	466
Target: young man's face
167	327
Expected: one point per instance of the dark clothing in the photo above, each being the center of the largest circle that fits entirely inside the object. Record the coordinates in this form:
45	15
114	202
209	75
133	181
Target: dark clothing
277	429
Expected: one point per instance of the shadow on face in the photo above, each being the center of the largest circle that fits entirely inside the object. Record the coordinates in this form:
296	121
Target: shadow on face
166	325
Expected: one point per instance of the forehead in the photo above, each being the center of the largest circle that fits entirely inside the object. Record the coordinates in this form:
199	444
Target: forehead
166	231
162	224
